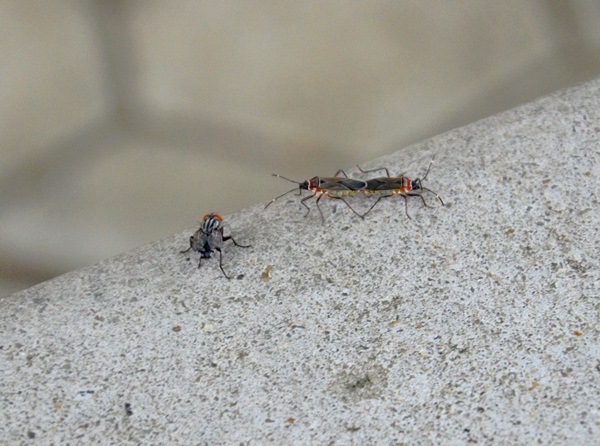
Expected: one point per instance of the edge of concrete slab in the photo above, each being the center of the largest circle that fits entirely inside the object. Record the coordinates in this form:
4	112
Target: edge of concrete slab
477	321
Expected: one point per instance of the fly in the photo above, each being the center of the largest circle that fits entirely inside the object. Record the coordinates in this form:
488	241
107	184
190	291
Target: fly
209	238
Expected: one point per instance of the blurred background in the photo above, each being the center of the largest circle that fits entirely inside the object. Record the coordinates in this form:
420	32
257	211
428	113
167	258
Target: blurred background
122	122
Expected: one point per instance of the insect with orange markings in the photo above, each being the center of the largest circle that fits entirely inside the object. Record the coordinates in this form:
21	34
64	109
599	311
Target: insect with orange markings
335	187
388	186
209	238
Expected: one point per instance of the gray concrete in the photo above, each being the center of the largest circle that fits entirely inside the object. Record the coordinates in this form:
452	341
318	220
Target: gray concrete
473	322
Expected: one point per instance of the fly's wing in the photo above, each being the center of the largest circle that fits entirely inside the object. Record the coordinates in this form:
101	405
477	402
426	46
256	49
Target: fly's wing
198	240
215	239
334	183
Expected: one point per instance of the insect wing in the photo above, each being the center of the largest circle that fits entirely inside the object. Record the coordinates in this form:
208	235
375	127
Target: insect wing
352	184
333	183
385	183
215	240
198	240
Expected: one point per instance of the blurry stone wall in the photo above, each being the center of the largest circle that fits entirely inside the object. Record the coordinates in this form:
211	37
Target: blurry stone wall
125	121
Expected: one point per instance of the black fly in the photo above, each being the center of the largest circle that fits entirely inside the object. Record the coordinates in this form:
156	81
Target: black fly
209	238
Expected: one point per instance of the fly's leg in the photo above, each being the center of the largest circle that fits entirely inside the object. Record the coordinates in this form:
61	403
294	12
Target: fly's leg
235	243
183	252
221	263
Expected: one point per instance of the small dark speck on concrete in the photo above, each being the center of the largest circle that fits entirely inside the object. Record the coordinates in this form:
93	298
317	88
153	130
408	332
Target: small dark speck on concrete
177	328
240	277
360	383
128	410
30	434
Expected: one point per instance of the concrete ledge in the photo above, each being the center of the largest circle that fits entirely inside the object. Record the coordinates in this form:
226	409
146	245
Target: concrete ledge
476	322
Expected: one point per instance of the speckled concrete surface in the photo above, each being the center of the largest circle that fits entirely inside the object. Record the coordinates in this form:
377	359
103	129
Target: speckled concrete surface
474	322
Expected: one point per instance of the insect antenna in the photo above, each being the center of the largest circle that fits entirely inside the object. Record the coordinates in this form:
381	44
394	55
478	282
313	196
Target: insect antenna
432	192
291	181
285	193
428	169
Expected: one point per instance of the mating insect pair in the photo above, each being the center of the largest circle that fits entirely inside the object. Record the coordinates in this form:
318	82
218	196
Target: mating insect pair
338	187
210	238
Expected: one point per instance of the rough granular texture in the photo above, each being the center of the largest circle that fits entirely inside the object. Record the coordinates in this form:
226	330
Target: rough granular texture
474	322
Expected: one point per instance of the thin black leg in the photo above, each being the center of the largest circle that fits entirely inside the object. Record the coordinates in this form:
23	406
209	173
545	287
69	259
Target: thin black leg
422	199
340	171
221	262
191	244
305	205
372	206
319	208
406	206
229	237
387	172
348	204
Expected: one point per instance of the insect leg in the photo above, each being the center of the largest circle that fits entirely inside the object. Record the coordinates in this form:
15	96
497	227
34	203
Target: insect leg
319	208
229	237
182	252
406	205
305	205
340	171
421	197
372	206
221	263
348	204
387	172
